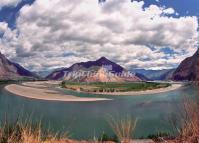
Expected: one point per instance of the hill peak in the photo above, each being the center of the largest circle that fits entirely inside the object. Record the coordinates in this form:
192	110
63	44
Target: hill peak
88	66
197	52
103	59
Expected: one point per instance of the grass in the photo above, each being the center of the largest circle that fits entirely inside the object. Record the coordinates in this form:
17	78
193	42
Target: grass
26	132
113	86
186	124
123	128
20	132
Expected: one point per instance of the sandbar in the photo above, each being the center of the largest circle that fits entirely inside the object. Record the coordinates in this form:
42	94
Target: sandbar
44	93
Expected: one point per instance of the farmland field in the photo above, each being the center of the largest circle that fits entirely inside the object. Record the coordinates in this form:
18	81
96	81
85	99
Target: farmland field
113	86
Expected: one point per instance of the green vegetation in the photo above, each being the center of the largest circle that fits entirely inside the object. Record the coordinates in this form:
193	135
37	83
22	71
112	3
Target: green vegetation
113	86
24	79
106	137
7	81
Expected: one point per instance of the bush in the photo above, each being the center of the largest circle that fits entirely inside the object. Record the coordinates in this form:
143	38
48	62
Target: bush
123	127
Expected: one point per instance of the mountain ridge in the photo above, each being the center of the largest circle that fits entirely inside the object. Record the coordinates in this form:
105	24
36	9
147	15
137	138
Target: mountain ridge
164	74
13	71
95	66
188	70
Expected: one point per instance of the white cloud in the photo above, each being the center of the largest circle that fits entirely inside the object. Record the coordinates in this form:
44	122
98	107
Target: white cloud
56	33
3	27
6	3
169	11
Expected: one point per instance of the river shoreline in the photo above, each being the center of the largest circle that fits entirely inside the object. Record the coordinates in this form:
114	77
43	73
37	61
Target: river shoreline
137	93
46	91
43	91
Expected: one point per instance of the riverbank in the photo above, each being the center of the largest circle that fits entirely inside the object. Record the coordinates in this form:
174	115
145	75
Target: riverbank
128	89
145	92
44	91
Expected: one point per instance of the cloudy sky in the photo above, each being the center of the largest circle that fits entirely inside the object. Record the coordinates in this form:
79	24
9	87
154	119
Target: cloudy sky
48	34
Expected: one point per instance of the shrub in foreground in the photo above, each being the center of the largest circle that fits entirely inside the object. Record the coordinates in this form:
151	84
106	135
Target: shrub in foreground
123	128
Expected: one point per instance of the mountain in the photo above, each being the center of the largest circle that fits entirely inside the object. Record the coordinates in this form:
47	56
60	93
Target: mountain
165	74
13	71
43	73
188	70
141	76
101	70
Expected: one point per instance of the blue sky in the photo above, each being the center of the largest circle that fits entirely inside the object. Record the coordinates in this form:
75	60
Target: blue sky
10	13
184	8
32	50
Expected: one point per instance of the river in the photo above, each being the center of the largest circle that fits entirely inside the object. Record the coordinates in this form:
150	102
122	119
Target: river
85	120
